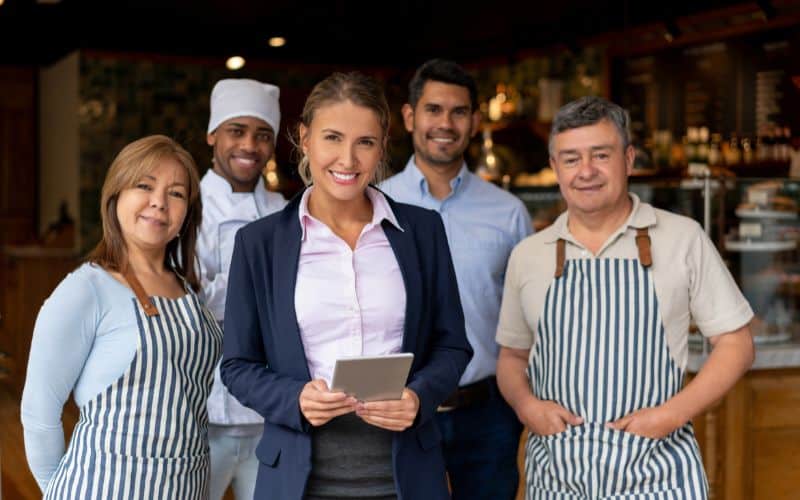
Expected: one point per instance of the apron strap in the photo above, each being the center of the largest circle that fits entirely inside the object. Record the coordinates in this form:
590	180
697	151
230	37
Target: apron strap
148	306
643	244
561	253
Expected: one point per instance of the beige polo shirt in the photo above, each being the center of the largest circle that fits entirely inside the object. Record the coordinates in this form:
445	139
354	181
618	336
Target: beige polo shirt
690	279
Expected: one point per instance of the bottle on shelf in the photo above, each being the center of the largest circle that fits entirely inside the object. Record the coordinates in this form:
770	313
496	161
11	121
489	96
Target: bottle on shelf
747	151
697	140
702	145
786	145
488	166
690	144
761	152
714	150
733	154
767	143
661	146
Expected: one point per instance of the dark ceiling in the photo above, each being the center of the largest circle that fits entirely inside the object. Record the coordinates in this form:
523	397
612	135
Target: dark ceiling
357	33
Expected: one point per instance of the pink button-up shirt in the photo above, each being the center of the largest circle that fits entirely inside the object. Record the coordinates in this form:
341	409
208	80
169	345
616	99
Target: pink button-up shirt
348	302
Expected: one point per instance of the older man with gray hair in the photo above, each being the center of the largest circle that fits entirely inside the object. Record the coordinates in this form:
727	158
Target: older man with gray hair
594	326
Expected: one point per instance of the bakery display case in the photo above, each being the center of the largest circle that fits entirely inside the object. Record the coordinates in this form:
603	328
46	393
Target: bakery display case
760	246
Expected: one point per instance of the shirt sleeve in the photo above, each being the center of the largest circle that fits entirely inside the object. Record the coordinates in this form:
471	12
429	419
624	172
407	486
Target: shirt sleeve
213	281
62	340
715	301
512	329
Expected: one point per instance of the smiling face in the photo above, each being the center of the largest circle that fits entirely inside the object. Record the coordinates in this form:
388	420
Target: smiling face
151	213
344	144
242	147
592	166
441	125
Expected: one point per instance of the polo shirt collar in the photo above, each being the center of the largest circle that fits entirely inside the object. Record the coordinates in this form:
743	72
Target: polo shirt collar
642	215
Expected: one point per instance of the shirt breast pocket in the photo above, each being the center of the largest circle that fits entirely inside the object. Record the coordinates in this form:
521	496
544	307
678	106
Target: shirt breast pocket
227	234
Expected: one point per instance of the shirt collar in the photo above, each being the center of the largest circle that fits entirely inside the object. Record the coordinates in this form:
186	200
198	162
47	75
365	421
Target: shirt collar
642	215
381	210
456	183
218	184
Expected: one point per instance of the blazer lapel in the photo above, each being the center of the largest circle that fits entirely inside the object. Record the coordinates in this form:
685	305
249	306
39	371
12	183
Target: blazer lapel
405	251
285	258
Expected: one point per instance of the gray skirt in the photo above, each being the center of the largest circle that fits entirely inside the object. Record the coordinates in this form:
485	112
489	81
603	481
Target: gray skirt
351	459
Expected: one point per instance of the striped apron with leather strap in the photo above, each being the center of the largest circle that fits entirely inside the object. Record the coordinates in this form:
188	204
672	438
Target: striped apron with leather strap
145	436
601	352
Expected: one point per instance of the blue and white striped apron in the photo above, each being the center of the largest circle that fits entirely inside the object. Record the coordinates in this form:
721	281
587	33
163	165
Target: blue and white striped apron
145	436
601	352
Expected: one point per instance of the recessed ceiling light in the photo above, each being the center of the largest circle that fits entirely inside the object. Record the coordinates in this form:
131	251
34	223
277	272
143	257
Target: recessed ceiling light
277	41
235	62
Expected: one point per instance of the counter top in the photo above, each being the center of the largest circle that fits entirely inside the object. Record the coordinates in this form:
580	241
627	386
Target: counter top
768	356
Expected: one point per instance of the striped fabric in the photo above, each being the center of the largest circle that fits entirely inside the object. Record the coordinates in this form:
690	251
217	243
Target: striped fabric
601	353
145	436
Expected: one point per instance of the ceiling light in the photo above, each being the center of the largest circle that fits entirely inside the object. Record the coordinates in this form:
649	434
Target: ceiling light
277	41
671	31
235	62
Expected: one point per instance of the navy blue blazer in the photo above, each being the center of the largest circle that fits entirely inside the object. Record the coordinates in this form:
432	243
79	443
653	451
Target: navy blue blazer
264	365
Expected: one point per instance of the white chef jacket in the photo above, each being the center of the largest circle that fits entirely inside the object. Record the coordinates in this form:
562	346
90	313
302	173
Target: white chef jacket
224	212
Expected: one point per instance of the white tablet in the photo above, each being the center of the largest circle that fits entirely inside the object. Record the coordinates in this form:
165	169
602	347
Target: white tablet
372	378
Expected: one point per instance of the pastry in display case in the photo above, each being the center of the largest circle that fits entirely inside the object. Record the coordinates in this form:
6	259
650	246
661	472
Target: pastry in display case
762	251
766	220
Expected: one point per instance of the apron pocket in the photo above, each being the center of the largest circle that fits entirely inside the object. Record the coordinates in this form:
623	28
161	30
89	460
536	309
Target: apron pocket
594	461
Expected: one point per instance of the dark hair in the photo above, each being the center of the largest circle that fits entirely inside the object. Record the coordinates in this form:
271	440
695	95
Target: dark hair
130	165
357	88
588	111
445	71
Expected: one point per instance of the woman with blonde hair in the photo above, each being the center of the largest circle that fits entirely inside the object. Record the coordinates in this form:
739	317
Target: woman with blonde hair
128	336
341	271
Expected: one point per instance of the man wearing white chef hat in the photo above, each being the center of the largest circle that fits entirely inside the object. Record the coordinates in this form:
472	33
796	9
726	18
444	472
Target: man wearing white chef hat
244	121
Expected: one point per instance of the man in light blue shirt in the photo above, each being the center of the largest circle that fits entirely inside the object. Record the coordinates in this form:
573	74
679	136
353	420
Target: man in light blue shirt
480	431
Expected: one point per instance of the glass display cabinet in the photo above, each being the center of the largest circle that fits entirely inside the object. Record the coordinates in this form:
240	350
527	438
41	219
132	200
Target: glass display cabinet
760	246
